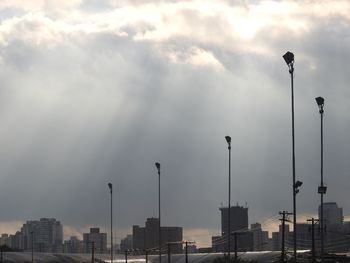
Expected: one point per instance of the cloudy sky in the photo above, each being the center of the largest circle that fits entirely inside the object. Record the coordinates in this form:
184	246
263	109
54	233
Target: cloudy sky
96	91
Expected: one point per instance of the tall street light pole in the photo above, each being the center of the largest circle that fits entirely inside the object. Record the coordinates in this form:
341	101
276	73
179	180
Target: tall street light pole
228	140
159	228
321	189
110	186
289	59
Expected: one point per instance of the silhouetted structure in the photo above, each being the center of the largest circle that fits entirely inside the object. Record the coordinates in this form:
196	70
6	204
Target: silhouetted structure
239	223
238	218
147	237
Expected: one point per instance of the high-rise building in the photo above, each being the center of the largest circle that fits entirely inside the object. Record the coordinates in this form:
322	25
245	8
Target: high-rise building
73	245
238	218
147	237
332	215
46	235
238	228
260	237
95	239
126	243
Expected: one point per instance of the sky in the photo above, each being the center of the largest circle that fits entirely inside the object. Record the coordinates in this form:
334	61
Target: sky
97	91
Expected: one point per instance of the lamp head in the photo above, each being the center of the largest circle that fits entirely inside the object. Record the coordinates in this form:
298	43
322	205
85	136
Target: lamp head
289	58
110	186
228	139
158	166
320	101
298	184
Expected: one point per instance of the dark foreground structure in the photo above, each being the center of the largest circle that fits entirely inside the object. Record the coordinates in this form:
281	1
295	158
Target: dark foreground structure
260	257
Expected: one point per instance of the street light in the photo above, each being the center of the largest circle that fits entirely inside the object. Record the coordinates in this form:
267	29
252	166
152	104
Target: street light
110	186
289	59
159	229
228	140
322	188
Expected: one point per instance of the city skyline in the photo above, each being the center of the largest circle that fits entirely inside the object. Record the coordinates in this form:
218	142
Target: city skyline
94	92
202	239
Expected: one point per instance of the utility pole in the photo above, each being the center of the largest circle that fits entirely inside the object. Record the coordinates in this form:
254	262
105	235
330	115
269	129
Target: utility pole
313	251
235	235
169	253
146	254
284	219
186	249
236	255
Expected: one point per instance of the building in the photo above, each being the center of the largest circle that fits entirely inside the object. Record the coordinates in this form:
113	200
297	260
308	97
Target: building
46	235
332	215
239	230
238	218
95	240
260	237
147	237
5	239
277	238
126	243
73	245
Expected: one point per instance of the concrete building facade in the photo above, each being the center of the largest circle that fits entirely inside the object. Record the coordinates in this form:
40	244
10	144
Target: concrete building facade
95	240
147	237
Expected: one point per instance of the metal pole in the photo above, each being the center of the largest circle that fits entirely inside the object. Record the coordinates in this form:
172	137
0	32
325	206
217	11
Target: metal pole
228	140
32	246
186	251
322	221
126	256
236	255
169	253
313	239
159	226
283	253
110	186
229	202
291	71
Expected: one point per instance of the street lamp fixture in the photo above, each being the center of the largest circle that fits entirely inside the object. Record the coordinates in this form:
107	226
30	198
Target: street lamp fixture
320	103
158	167
289	58
297	185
